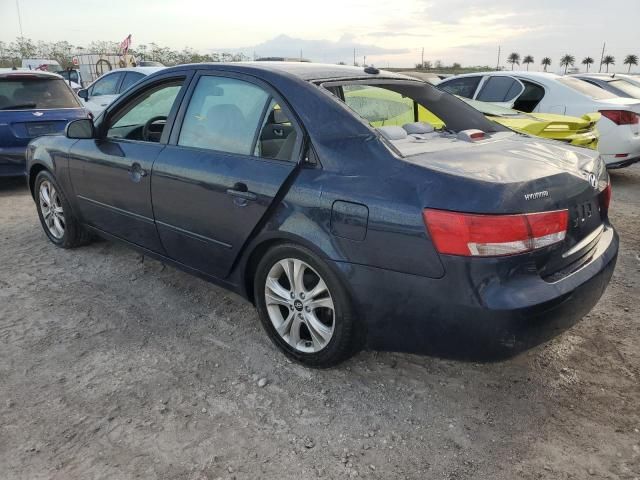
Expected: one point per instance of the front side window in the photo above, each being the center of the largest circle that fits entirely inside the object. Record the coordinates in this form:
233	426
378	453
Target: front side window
19	92
106	85
463	87
144	117
500	89
130	78
224	114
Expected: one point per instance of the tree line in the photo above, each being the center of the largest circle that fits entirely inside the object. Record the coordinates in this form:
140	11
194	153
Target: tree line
12	53
568	60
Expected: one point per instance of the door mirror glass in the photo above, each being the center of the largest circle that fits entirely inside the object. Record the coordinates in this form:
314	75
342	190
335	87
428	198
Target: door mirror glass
80	129
84	94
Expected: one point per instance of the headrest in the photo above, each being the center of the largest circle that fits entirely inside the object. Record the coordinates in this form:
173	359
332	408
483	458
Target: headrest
392	132
417	128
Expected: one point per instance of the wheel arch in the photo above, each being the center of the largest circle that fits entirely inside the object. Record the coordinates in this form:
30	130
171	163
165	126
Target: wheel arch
34	170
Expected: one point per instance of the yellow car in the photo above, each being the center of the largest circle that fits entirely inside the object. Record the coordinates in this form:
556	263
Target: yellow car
581	131
390	108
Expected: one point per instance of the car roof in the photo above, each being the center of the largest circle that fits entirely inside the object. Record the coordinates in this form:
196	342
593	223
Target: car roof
304	70
9	72
143	70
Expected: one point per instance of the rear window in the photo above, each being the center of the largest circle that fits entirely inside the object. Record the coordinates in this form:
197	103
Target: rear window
585	88
629	88
25	93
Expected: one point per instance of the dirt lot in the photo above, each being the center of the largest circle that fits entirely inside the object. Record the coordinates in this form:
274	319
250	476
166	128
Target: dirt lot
114	366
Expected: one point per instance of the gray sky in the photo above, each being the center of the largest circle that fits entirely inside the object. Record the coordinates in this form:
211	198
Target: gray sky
388	33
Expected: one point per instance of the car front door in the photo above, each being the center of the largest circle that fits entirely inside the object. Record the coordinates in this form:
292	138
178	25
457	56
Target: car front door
103	92
111	173
235	148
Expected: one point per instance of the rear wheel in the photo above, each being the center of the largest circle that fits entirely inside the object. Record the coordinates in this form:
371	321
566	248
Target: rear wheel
303	306
55	214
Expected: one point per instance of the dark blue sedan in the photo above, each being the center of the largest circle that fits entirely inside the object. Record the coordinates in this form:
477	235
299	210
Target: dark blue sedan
31	104
354	207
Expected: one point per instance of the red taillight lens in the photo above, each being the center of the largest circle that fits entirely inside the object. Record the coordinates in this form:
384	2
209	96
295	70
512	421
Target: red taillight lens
621	117
492	235
605	198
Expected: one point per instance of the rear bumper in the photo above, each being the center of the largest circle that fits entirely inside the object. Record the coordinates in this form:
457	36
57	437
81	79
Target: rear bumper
473	313
12	161
612	162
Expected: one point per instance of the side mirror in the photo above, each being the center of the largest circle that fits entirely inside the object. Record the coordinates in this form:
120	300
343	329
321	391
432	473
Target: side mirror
81	129
84	94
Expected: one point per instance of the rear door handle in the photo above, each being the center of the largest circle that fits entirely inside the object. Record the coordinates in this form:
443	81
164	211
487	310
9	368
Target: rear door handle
240	190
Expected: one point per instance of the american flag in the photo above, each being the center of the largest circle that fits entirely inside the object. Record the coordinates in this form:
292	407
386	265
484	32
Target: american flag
125	44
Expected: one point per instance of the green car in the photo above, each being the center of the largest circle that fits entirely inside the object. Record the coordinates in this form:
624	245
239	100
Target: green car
381	107
581	131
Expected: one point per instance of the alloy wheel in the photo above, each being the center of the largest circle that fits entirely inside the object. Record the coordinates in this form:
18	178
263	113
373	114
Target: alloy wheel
299	305
51	209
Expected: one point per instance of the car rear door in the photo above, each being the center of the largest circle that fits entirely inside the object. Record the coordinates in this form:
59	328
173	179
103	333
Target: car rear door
500	90
222	170
111	173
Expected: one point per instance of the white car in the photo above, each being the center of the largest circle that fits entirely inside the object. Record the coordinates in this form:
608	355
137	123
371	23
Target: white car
541	92
621	85
109	86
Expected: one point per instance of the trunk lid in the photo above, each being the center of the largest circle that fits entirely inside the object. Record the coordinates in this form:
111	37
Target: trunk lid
18	127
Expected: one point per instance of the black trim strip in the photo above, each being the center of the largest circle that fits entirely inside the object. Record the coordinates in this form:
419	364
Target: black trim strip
118	210
195	236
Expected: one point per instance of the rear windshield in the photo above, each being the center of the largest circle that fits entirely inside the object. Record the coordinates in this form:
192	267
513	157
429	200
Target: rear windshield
384	103
586	88
629	88
23	93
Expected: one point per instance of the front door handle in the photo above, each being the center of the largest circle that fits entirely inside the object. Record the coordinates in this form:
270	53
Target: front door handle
240	190
136	172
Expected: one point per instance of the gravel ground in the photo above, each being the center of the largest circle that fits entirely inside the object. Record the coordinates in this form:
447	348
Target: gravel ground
115	366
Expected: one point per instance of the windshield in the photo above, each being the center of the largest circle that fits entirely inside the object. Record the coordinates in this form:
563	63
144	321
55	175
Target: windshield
629	88
69	75
585	88
396	103
24	92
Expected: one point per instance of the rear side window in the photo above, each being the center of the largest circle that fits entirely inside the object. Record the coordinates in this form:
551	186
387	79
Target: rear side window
106	85
224	114
130	78
499	89
464	87
25	92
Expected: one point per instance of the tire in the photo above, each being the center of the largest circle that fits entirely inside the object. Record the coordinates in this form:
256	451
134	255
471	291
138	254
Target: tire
56	217
318	326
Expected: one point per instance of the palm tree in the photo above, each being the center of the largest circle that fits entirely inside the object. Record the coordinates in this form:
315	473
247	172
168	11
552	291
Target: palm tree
587	61
546	61
513	58
567	60
609	60
631	60
527	60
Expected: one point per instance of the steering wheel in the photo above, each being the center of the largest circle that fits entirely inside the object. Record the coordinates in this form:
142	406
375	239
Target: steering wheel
152	131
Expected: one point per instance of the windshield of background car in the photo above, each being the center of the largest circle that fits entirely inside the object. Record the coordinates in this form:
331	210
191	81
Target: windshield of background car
629	88
385	103
585	88
19	93
71	75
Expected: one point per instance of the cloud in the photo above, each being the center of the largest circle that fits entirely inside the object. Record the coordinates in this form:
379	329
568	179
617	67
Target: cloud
321	49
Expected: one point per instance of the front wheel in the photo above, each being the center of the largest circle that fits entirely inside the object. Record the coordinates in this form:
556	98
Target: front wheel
54	211
303	306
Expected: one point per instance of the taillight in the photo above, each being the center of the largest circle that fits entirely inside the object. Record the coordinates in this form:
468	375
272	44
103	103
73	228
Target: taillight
492	235
605	198
621	117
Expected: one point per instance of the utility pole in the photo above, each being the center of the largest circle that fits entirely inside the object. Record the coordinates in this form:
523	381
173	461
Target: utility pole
602	57
498	64
354	57
422	59
364	60
19	18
